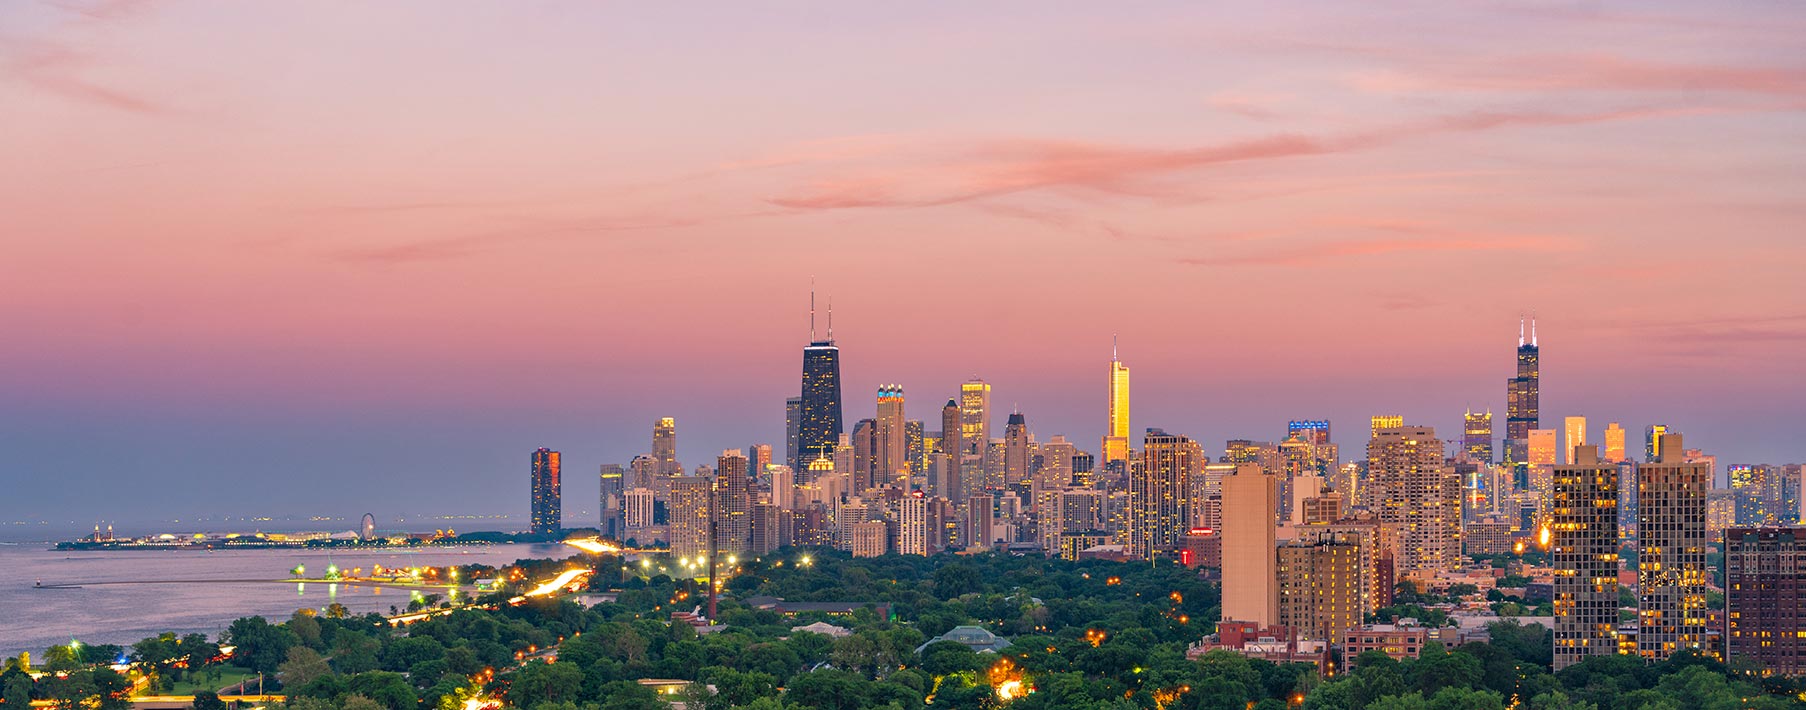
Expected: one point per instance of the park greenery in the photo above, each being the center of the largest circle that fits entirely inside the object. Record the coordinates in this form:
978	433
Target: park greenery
1083	634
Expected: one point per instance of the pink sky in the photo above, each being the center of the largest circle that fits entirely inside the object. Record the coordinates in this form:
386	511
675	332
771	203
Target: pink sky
274	241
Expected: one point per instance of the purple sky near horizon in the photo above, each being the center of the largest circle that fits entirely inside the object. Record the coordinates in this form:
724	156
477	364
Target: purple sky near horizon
257	257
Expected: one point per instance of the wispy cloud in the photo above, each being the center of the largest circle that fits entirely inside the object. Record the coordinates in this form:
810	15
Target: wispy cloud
1595	73
465	245
1317	252
56	63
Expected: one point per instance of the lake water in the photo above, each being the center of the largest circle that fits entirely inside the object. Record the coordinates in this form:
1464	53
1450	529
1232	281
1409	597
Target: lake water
136	605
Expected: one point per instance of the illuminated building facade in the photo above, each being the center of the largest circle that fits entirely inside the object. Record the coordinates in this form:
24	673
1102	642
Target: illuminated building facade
1614	443
1574	431
1160	491
870	538
732	513
1765	598
1116	437
1386	421
1523	397
912	525
547	493
664	447
819	425
1652	441
1413	489
1015	450
975	416
1584	551
1250	586
689	516
1476	436
614	482
637	511
1671	561
891	465
1319	582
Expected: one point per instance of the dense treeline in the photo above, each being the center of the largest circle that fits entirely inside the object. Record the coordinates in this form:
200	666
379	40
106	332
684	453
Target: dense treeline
1088	634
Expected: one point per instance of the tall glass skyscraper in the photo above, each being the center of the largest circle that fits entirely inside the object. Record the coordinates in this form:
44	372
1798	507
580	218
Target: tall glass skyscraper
548	515
818	429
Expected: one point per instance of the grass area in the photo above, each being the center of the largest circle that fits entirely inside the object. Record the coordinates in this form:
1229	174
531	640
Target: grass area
194	682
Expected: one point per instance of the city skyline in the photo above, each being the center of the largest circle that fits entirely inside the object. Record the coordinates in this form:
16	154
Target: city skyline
278	291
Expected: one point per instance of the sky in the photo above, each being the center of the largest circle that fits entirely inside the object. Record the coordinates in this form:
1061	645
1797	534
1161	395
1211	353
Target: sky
320	258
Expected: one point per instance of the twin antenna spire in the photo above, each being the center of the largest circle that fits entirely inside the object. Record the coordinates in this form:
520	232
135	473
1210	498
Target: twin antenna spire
812	313
1532	330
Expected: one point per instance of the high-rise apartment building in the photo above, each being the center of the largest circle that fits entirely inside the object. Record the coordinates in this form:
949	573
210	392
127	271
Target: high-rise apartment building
1411	487
1523	397
891	467
1116	437
819	425
1574	431
758	458
1386	421
912	525
1250	589
664	447
869	538
547	494
689	516
1765	598
1476	436
1671	561
975	415
1320	585
1584	550
1160	493
732	514
1614	443
637	511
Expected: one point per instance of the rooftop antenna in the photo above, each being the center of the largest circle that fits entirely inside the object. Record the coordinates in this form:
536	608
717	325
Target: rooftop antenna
1113	346
830	318
1533	329
812	310
1520	330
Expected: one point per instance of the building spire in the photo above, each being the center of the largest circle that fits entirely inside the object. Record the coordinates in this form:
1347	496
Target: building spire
812	309
1533	329
1113	347
830	318
1520	330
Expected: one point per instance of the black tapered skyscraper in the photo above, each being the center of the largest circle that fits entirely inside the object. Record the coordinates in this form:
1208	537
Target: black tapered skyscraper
819	429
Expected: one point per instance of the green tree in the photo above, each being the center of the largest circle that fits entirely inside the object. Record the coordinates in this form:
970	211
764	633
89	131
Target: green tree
541	682
208	700
260	646
302	666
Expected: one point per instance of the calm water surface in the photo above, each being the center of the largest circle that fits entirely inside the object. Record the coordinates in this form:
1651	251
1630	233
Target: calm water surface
32	619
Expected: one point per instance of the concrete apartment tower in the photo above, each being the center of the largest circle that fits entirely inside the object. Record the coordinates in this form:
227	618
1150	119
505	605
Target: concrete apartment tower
1250	584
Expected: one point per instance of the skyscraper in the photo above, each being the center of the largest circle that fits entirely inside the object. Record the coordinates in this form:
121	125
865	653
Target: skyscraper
793	423
547	494
915	446
1116	437
891	465
1614	443
975	415
1575	430
1584	548
1671	562
614	484
1015	450
732	511
1160	491
818	429
1250	586
664	447
1476	436
955	451
912	525
1523	396
1413	489
866	465
1652	441
689	515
